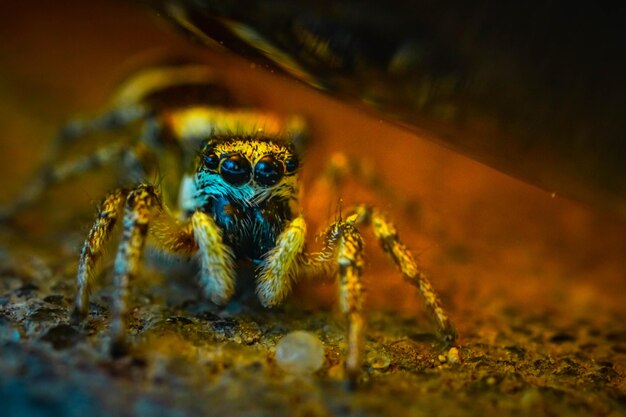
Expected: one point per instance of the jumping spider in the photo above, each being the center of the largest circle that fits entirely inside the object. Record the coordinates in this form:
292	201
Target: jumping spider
236	200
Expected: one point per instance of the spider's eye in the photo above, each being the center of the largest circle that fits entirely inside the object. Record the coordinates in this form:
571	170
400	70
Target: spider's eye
236	170
291	164
211	161
268	171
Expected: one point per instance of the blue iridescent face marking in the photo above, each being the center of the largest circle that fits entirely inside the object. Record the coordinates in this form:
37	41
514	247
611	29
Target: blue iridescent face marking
248	171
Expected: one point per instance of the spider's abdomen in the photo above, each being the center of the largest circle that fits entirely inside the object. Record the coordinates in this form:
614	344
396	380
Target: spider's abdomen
250	230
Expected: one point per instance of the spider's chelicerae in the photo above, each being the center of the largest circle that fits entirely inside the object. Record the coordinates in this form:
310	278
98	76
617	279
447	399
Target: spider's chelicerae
235	199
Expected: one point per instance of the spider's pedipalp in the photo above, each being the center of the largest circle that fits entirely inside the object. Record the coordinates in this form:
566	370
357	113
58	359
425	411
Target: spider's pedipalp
217	275
280	266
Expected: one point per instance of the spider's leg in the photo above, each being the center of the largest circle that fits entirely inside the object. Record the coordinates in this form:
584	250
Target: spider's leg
217	275
140	204
343	246
78	129
280	266
100	232
167	234
340	168
60	173
387	235
350	261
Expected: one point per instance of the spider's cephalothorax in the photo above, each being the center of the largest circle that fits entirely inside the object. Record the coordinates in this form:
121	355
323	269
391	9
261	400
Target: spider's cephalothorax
236	182
248	185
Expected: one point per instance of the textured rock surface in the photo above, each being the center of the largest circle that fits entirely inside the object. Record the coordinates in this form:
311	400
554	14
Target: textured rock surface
191	358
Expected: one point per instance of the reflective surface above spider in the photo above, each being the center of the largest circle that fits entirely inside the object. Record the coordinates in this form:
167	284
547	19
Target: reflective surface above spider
234	200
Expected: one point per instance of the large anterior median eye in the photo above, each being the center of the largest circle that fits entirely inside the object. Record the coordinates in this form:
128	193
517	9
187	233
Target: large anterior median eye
236	170
268	171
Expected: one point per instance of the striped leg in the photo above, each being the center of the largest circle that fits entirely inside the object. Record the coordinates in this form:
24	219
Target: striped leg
343	252
138	212
109	211
280	266
217	274
387	235
341	167
350	261
84	128
56	174
51	172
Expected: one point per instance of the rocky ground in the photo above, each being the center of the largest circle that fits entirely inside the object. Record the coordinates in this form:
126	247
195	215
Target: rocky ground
192	358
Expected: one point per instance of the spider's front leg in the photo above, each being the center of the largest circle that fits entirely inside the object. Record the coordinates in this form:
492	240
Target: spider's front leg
343	252
140	204
138	213
344	247
144	212
350	262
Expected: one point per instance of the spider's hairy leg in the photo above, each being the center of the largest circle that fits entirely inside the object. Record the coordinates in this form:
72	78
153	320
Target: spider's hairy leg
343	246
281	264
143	209
140	204
59	173
350	261
108	213
217	274
340	168
386	233
78	129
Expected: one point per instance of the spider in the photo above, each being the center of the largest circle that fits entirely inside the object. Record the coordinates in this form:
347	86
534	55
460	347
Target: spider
234	199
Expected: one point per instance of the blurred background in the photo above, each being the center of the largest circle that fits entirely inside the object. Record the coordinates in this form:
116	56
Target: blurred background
536	90
474	227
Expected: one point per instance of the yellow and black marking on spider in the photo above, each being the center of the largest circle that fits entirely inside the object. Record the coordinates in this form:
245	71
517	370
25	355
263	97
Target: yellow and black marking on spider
235	199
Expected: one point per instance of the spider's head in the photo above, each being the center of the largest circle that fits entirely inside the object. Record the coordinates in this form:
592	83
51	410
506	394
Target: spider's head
248	169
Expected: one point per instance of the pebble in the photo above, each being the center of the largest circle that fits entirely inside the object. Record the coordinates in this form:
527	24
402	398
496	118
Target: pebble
378	360
300	352
453	355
